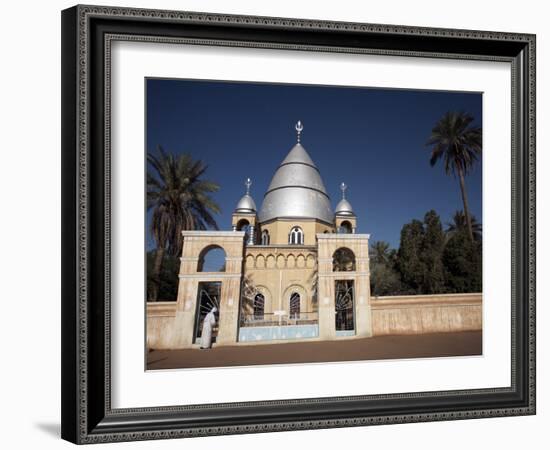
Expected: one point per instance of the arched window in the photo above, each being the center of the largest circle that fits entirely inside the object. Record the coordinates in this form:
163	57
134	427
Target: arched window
244	225
345	227
294	312
265	237
211	259
343	260
259	305
296	236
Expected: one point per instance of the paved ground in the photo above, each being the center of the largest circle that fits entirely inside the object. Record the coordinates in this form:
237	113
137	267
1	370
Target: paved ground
380	347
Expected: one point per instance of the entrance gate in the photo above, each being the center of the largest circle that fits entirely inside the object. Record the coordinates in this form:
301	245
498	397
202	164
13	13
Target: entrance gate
345	307
208	297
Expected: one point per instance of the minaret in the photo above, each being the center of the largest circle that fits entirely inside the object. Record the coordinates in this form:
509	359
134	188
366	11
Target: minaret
345	219
244	216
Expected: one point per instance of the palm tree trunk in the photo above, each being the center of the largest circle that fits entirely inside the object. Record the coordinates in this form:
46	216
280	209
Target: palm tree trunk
465	201
157	266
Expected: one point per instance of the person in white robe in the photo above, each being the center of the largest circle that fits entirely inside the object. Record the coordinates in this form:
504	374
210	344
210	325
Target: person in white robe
207	325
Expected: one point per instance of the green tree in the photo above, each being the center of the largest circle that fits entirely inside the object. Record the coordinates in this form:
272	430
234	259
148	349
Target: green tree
380	252
431	254
409	256
168	285
458	143
384	279
462	263
179	200
459	223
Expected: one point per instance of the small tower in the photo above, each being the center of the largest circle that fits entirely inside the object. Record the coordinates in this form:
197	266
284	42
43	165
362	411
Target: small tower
344	217
244	216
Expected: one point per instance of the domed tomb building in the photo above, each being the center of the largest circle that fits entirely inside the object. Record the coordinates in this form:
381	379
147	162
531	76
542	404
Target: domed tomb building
294	270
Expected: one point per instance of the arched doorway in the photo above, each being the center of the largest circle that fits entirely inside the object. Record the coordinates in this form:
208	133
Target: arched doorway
294	310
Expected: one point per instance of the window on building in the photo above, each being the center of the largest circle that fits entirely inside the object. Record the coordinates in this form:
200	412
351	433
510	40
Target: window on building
265	237
296	236
259	306
294	306
244	225
345	227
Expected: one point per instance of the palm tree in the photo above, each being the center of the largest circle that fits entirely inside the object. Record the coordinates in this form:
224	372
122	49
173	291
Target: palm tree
380	252
180	200
459	223
455	140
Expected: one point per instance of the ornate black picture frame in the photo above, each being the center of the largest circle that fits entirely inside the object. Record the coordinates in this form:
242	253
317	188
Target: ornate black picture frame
87	34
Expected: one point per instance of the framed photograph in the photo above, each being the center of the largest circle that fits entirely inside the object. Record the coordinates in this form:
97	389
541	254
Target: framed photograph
283	224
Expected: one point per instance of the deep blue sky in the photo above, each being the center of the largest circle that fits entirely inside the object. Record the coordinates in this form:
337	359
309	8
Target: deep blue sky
373	139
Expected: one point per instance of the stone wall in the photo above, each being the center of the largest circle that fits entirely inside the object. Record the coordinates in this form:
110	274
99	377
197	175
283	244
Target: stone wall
160	324
406	314
278	271
418	314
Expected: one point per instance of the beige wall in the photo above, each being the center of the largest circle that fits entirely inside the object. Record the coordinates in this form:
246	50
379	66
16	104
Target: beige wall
279	230
417	314
412	314
277	272
160	324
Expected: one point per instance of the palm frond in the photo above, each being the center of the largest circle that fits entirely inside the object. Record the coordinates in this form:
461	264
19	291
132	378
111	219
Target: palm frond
178	197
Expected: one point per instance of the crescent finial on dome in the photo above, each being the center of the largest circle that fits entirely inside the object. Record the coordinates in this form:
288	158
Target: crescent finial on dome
299	127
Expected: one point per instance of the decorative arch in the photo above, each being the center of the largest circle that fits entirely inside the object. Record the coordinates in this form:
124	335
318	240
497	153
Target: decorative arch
265	237
343	260
346	227
270	261
249	261
260	261
290	261
212	258
242	225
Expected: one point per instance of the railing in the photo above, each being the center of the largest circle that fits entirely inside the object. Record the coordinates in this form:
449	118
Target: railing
271	319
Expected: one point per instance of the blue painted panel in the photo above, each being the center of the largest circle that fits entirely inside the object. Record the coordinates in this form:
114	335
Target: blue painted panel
345	333
248	334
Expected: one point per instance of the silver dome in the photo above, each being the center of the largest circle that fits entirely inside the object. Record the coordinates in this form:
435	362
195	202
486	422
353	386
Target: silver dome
297	190
343	208
246	205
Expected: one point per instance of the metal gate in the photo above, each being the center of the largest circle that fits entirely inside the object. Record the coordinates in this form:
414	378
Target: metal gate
208	297
344	305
